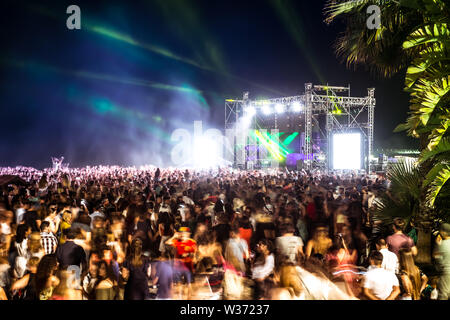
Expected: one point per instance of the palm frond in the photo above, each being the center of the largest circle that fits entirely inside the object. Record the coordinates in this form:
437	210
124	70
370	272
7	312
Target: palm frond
442	148
438	184
402	197
427	34
439	132
403	176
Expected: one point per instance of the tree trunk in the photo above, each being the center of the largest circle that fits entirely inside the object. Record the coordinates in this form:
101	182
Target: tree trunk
424	220
423	245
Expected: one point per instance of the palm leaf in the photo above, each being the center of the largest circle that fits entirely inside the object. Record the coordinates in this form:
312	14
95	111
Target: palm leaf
438	133
380	50
403	176
402	197
427	34
438	183
432	63
442	148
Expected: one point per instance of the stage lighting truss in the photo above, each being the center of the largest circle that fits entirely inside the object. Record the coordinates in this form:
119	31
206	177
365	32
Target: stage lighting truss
343	114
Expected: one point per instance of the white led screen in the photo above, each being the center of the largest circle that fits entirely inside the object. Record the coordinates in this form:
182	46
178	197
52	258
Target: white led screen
347	151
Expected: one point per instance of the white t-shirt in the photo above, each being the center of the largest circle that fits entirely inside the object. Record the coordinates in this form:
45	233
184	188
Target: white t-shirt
5	230
390	261
380	281
19	214
260	272
288	246
188	200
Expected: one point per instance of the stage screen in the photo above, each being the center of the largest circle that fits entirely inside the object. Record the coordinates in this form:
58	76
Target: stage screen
347	151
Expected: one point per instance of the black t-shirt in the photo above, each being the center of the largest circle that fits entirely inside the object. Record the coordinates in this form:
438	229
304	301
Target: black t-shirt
222	232
69	253
30	218
166	220
142	228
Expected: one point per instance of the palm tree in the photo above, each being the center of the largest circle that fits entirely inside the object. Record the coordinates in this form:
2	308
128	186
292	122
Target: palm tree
402	197
415	36
379	50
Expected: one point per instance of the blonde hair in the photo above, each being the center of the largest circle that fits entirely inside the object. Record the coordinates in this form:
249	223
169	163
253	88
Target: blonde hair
408	266
321	240
35	242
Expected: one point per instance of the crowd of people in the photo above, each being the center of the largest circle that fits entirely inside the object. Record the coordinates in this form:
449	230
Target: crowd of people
113	233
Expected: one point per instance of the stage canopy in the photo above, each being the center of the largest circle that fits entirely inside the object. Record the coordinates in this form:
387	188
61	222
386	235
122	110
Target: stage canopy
11	179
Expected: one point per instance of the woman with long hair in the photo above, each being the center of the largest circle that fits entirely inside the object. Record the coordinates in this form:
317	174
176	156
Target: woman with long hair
46	279
138	269
341	261
106	287
21	246
320	243
413	281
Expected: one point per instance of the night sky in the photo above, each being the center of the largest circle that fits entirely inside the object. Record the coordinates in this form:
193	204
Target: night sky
114	91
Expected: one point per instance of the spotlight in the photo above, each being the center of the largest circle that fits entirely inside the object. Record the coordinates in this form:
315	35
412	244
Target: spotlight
296	106
246	121
206	153
279	108
266	109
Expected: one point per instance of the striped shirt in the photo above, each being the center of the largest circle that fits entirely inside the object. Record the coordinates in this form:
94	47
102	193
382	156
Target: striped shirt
49	242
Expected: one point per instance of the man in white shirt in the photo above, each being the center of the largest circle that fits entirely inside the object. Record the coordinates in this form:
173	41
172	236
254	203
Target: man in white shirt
380	284
390	260
289	246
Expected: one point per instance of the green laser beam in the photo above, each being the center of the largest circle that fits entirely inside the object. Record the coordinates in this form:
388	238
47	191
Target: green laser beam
274	153
119	36
290	138
293	23
30	65
274	142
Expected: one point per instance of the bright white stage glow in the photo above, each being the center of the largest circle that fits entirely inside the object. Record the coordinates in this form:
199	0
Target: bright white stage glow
250	111
347	151
266	109
206	152
296	106
279	108
246	121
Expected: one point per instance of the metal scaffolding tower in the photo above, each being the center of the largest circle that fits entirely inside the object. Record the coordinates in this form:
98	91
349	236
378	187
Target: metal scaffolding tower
342	113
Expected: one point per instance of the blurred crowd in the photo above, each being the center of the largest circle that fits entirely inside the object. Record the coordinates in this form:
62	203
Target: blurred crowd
114	233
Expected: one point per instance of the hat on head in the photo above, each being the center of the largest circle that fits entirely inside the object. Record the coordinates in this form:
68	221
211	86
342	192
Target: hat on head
184	229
